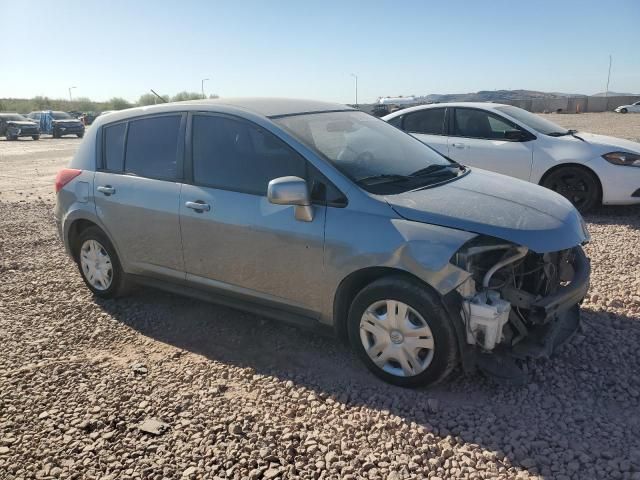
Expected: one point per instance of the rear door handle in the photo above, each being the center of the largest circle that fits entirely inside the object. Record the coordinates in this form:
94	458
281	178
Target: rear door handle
458	145
198	206
106	189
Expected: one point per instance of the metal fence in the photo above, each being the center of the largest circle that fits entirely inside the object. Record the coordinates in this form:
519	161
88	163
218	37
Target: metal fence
563	104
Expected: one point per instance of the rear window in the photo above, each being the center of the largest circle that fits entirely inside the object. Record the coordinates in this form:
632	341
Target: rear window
152	147
429	121
114	147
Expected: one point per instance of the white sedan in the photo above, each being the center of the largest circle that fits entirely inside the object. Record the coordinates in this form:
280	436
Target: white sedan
634	107
587	169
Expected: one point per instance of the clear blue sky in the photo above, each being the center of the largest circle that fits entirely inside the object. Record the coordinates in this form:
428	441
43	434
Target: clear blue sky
309	48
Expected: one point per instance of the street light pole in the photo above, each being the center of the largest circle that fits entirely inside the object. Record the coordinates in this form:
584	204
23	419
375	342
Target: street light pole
356	77
70	88
606	93
202	86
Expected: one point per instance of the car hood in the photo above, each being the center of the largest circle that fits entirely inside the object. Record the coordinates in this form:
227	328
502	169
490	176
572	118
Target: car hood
66	120
499	206
21	123
604	143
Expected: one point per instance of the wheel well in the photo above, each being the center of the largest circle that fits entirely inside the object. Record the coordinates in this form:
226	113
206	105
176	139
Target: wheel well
75	230
354	283
574	165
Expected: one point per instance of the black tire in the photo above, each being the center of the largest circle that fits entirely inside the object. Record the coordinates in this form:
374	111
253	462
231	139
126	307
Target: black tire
429	305
55	134
10	138
119	285
576	184
35	137
623	110
80	135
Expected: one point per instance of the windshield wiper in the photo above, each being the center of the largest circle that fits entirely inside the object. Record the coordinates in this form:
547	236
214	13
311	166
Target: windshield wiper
431	169
568	132
383	178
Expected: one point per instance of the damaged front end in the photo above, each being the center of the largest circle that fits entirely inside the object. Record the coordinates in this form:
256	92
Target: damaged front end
517	304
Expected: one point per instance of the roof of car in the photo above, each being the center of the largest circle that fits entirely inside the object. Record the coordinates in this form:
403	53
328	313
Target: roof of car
268	107
483	105
273	107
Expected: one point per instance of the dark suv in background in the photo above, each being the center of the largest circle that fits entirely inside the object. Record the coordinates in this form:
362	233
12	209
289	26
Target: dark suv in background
57	123
14	125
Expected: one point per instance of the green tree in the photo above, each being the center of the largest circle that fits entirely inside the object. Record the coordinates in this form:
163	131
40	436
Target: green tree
182	96
118	103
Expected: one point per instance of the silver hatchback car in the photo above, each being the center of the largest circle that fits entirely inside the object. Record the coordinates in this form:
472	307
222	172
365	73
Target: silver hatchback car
321	215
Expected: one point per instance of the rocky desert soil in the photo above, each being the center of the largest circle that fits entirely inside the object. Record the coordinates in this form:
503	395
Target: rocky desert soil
243	397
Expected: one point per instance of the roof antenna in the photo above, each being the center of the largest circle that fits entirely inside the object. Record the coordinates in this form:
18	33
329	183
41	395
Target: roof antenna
164	100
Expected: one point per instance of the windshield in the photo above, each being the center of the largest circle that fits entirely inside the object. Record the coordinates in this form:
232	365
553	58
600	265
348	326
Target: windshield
15	117
374	154
60	115
533	121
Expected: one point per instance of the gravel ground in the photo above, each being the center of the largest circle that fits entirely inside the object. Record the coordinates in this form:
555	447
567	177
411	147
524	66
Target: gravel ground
245	397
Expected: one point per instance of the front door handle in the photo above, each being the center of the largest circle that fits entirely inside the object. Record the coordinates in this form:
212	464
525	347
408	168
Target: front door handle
198	206
106	189
458	145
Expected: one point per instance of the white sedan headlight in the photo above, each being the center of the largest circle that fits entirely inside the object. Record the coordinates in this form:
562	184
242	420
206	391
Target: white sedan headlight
623	158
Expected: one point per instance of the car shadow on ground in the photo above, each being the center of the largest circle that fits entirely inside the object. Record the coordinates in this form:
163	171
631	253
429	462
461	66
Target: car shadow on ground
328	367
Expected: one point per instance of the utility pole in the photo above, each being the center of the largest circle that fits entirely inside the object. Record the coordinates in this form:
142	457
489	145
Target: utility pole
356	77
202	86
70	88
606	93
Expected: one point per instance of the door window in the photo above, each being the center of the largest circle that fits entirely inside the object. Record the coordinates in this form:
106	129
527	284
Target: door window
114	137
396	121
152	147
235	155
429	121
474	123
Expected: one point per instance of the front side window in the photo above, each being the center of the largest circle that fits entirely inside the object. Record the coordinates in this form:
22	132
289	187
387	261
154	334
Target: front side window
236	155
533	121
377	156
114	137
152	147
429	121
474	123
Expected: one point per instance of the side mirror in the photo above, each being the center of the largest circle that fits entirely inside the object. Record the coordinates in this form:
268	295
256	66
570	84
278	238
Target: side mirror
291	191
515	135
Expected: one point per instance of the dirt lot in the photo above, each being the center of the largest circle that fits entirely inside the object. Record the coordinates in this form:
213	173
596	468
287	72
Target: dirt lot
249	398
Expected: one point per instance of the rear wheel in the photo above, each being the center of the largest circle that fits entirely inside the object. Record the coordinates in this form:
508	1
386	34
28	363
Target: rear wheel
402	332
35	137
80	135
577	185
9	137
99	264
55	134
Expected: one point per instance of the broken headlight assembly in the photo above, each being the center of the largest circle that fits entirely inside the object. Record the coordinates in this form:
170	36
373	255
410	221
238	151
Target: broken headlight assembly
510	289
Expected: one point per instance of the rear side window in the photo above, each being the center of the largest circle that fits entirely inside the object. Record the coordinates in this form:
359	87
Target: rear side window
152	147
396	121
429	121
114	147
236	155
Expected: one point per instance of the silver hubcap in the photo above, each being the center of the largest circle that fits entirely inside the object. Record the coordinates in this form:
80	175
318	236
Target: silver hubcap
96	265
397	338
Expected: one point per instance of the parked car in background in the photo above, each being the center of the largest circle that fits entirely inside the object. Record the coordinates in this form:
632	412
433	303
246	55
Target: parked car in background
57	123
14	125
633	108
585	168
323	215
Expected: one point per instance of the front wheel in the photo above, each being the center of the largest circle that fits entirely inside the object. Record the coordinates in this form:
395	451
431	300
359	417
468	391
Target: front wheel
80	135
35	137
577	185
402	332
623	110
99	264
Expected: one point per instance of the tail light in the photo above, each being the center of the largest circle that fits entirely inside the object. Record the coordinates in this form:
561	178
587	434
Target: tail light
64	176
